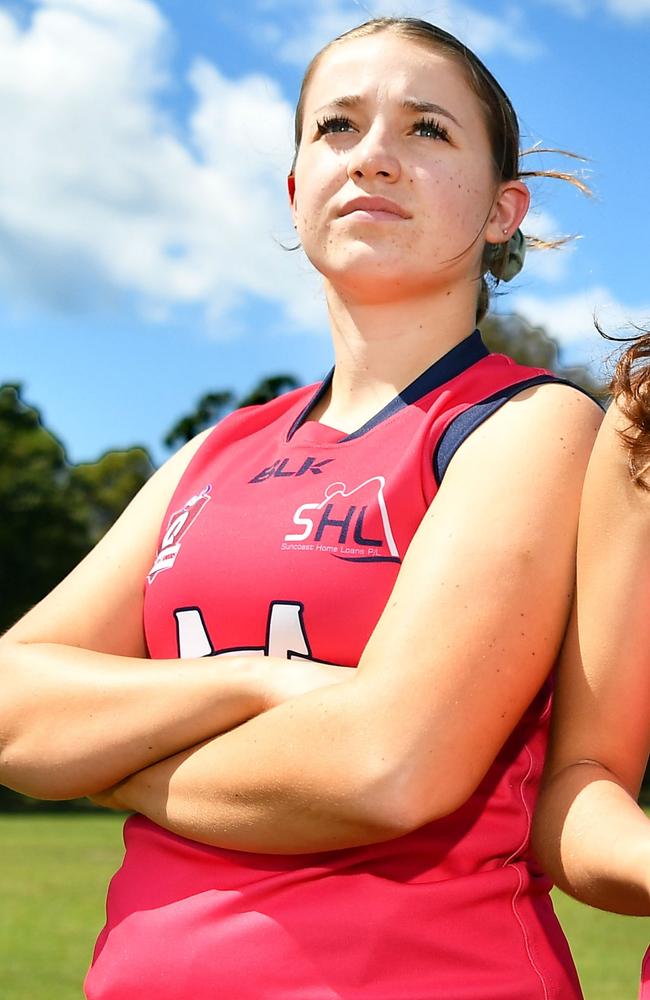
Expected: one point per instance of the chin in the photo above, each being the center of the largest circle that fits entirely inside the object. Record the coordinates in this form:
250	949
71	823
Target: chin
373	289
367	272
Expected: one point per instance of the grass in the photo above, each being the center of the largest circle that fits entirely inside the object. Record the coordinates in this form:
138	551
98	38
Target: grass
53	876
53	879
607	948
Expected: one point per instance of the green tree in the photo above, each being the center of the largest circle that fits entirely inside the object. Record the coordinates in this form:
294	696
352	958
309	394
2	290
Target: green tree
533	345
52	513
43	531
213	405
105	487
207	411
267	389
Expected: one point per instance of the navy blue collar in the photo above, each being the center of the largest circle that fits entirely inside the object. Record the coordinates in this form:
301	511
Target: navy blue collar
451	364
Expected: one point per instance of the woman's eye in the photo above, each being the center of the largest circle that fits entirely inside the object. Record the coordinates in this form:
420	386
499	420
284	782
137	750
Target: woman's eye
333	123
430	128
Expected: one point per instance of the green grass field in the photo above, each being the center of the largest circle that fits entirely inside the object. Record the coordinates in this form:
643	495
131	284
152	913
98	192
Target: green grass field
53	875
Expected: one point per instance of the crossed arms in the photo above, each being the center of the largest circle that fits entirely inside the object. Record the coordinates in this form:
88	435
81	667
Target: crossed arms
279	756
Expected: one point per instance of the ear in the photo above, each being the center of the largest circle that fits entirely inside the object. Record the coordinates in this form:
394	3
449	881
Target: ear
508	211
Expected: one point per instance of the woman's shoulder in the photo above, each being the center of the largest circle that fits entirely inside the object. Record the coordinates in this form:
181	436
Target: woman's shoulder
498	379
540	431
618	480
505	401
541	394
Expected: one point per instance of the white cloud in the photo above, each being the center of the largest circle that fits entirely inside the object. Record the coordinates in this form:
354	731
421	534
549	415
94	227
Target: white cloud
630	10
552	265
570	318
101	195
485	33
305	31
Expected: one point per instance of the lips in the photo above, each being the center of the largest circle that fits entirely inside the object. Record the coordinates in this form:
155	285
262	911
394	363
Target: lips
377	207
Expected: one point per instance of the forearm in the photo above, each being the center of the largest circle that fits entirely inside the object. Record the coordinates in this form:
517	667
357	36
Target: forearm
434	698
320	787
74	721
594	840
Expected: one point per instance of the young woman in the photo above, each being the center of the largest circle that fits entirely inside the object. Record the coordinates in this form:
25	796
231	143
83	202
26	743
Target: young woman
590	833
353	833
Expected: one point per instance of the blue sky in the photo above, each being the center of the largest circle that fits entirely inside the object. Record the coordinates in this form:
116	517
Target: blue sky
142	192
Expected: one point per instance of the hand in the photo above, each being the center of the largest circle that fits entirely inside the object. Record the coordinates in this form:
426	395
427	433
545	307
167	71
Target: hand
286	679
109	798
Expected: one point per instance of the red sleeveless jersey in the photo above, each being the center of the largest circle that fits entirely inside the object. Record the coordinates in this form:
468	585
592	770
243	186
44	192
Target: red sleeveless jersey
285	538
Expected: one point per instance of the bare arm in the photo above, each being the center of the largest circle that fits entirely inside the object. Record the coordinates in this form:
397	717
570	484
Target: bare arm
468	636
81	707
590	834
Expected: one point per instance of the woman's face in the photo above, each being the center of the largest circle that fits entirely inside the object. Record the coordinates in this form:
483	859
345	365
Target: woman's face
395	183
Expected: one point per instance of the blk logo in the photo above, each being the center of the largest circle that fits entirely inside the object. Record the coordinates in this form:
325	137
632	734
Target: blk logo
279	469
349	524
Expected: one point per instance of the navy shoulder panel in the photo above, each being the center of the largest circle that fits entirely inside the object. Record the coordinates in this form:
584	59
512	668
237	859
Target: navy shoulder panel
462	426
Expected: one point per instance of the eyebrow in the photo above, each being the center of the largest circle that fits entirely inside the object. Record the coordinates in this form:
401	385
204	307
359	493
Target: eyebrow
413	104
409	103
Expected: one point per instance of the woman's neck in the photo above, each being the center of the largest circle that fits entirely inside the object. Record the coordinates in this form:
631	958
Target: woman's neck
380	349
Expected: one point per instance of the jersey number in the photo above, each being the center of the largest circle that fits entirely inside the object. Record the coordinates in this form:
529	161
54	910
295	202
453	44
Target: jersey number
285	634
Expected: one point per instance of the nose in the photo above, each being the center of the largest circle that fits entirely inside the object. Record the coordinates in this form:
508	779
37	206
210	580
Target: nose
374	156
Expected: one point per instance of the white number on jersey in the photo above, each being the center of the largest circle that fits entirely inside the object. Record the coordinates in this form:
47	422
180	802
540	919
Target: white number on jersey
285	634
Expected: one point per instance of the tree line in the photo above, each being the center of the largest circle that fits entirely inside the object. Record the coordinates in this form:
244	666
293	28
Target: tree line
52	511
